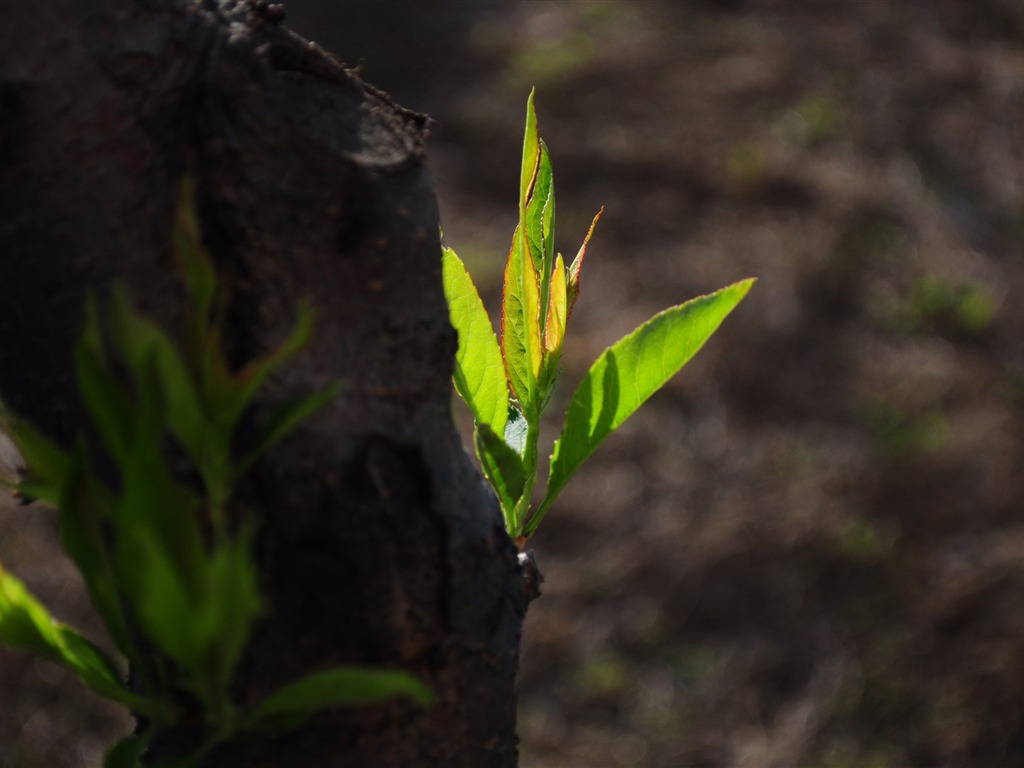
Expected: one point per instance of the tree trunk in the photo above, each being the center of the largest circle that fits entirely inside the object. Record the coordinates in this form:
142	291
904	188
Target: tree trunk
380	543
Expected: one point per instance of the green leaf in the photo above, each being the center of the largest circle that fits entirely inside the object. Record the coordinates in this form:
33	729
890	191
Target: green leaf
627	374
503	468
230	604
26	624
146	349
531	155
166	605
338	687
520	323
540	211
479	372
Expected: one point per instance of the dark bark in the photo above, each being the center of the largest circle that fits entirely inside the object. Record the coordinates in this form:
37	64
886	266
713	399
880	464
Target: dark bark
380	543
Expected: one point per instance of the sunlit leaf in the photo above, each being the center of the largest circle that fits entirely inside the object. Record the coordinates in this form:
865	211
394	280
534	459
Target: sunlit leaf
627	374
479	372
540	210
531	155
554	328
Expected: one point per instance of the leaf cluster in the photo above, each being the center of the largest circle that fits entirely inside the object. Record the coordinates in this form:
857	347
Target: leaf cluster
167	561
507	382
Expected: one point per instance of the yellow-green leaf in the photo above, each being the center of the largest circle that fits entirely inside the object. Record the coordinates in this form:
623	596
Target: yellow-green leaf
479	373
627	374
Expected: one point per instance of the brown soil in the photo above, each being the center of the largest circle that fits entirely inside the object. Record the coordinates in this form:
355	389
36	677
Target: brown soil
809	548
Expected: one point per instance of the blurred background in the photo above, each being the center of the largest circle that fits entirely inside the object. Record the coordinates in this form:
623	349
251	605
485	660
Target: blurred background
809	548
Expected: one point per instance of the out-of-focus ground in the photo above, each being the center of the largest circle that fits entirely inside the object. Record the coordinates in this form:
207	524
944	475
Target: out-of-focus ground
809	548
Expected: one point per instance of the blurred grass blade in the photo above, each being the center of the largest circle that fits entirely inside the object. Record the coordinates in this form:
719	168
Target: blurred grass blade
479	372
627	374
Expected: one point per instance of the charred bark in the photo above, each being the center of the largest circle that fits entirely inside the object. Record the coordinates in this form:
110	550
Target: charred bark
380	545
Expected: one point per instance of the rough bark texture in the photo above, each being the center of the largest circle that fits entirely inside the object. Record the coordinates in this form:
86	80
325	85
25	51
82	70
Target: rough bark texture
380	543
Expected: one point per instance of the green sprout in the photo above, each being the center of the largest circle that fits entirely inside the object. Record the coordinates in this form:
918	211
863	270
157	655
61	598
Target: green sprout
168	563
508	384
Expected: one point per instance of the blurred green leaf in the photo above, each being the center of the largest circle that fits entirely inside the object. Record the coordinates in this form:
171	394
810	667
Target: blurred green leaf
46	462
339	687
230	603
82	518
26	624
106	400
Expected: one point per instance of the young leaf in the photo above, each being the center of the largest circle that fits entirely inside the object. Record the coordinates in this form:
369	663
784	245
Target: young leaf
540	212
502	466
554	328
479	372
531	155
629	372
520	323
339	687
573	287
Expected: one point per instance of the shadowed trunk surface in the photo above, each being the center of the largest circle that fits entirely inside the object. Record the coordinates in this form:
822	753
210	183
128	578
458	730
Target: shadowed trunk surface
380	543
